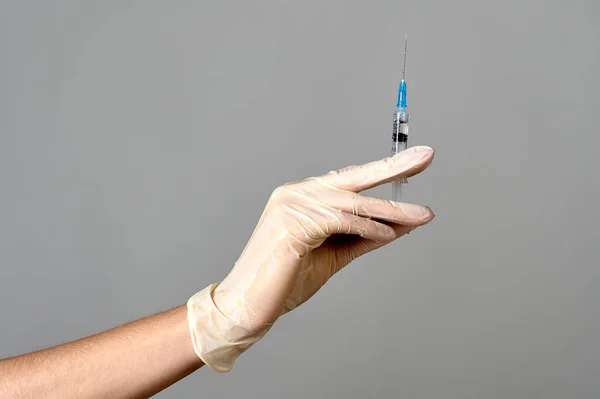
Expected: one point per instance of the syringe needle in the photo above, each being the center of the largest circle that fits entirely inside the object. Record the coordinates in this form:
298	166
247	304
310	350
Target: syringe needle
400	129
405	48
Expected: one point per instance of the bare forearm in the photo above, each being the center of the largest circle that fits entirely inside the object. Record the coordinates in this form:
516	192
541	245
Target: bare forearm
135	360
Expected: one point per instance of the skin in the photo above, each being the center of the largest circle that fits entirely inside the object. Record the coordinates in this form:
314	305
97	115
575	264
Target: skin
134	360
141	358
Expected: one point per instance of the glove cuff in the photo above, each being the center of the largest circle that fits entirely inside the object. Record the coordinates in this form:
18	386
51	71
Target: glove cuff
217	340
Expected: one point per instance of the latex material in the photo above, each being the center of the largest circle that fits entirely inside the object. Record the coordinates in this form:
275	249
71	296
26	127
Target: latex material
308	231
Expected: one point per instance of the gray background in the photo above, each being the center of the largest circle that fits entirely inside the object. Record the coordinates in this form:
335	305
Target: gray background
140	141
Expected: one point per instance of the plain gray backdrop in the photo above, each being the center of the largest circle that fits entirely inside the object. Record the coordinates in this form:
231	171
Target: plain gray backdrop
140	141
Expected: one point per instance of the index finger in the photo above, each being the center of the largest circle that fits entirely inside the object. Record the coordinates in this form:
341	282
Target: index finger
363	177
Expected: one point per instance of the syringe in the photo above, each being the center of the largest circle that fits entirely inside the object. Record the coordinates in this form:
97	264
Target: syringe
400	129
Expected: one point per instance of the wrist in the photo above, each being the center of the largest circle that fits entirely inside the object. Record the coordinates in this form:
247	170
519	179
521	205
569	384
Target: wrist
218	335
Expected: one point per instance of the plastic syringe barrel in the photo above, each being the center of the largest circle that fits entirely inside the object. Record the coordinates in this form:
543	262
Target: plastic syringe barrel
399	143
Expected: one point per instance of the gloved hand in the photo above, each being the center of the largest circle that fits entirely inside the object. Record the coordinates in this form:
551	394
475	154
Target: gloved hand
308	231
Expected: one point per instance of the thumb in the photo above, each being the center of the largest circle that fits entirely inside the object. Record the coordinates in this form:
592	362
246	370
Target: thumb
363	246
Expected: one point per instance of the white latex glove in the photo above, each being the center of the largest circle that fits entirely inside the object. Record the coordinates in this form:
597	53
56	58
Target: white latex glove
308	231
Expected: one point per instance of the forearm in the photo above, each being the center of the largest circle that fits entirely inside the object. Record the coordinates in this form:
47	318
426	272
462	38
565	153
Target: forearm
135	360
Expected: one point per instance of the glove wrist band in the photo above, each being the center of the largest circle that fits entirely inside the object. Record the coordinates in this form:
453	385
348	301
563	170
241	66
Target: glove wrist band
218	341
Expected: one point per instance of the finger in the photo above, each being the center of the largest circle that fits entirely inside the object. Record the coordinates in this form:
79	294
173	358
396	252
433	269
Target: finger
372	230
363	246
365	206
363	177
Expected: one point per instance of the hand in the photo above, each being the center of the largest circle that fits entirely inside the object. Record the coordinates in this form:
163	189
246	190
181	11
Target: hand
308	231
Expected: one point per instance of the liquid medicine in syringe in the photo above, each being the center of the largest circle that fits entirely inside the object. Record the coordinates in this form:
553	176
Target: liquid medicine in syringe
399	133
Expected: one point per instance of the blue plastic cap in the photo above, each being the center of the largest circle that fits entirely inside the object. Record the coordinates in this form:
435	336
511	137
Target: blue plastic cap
402	95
